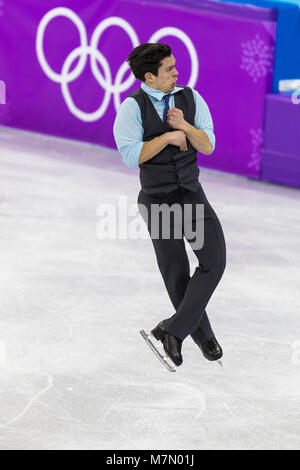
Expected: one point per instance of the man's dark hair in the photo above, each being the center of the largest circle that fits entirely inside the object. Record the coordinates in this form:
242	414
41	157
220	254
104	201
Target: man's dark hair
147	57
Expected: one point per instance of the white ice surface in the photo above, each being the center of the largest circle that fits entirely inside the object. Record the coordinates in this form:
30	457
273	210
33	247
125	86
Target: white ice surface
75	372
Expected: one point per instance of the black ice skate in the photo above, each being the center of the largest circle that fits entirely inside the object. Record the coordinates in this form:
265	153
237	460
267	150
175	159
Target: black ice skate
211	350
171	344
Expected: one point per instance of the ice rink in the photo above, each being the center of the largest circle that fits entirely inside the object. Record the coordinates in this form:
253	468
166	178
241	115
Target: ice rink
75	372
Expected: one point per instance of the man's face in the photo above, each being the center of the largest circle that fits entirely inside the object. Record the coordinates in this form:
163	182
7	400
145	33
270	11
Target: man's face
166	77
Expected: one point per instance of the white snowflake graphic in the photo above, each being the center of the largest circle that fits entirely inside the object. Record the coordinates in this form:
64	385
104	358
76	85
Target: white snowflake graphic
257	139
5	113
257	58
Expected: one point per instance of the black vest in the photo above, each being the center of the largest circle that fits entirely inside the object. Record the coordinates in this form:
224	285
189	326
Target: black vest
170	168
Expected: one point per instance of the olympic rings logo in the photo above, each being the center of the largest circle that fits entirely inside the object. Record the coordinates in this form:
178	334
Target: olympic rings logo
106	82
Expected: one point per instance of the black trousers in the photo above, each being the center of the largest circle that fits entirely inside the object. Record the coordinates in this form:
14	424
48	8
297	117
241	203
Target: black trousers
189	295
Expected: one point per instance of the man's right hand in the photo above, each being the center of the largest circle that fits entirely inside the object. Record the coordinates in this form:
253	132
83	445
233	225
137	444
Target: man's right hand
154	146
178	138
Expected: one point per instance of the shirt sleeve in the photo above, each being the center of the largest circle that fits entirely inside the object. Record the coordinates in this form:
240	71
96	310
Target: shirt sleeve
203	119
128	132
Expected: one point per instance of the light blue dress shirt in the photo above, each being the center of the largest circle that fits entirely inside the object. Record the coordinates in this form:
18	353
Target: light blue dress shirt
128	129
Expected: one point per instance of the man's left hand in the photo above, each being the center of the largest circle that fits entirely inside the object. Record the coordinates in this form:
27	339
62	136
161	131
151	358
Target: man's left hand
175	118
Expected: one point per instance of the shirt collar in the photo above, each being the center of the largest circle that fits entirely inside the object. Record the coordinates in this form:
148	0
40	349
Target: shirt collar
156	93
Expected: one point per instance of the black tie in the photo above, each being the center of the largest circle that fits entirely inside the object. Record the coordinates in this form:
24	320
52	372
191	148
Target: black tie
166	98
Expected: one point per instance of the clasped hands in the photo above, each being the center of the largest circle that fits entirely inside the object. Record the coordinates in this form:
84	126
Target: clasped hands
176	120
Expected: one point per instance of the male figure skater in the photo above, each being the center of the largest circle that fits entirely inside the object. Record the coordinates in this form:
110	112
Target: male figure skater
159	128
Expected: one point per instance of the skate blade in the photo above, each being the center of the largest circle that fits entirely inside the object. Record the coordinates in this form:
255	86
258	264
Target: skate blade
220	363
163	359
